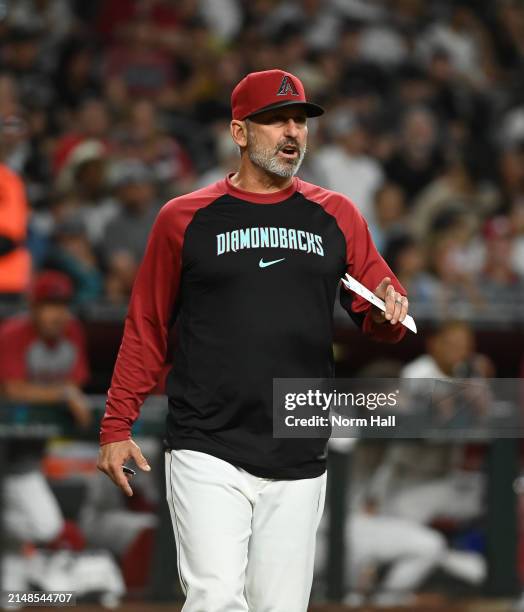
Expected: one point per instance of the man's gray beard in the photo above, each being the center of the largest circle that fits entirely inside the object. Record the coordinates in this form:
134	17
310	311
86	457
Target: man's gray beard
268	161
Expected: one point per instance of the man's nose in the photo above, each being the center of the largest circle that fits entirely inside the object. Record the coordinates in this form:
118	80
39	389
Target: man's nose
291	128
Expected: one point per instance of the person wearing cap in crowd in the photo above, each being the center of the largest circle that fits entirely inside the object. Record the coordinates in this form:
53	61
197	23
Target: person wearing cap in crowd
42	361
72	253
248	269
125	236
136	195
84	171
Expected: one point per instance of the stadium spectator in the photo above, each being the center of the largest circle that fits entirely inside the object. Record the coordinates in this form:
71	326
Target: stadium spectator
223	18
72	253
465	40
60	207
345	164
126	235
43	362
453	266
89	121
384	46
318	23
414	87
456	190
450	352
390	208
22	57
75	75
358	72
138	63
500	286
407	258
143	138
85	173
113	17
15	145
23	134
418	158
55	17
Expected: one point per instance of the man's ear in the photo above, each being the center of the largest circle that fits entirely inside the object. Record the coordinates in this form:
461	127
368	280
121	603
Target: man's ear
239	132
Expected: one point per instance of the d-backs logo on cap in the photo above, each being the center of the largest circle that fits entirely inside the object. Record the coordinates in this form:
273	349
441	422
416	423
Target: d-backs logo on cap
287	86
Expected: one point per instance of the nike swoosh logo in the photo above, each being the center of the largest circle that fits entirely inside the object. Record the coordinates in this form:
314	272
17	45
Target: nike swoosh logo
265	264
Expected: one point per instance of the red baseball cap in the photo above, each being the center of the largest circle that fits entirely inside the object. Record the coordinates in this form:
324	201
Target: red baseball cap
51	286
261	91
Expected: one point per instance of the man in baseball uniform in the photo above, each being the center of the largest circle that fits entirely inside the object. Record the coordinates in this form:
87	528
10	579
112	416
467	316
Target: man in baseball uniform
247	270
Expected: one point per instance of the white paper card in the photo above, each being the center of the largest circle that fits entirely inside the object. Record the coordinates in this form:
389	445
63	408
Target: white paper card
354	285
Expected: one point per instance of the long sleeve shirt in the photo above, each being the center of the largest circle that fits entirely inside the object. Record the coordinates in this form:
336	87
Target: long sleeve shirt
250	281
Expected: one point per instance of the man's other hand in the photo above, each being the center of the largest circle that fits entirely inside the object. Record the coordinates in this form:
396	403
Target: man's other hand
112	457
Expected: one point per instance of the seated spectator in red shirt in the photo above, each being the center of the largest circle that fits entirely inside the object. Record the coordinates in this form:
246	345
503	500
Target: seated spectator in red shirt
42	361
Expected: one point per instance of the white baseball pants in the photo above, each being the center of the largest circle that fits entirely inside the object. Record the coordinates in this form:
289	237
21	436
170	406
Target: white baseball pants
244	543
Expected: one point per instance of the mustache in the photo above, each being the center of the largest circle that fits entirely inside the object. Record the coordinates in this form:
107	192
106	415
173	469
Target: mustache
289	142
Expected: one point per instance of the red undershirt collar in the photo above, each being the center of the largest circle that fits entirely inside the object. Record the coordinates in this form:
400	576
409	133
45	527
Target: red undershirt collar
261	198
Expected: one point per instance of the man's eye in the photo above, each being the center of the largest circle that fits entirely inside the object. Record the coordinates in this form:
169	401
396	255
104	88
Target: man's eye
281	119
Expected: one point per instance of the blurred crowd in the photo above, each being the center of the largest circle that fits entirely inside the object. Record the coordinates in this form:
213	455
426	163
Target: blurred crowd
414	508
110	108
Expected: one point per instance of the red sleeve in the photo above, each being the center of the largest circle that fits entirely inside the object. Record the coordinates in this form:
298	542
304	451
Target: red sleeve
141	358
366	265
142	352
363	261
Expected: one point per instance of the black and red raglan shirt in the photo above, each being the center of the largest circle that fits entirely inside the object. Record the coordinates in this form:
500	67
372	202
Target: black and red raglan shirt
250	281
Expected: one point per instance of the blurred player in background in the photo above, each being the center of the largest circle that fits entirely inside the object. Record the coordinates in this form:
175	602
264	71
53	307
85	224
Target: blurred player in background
42	361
